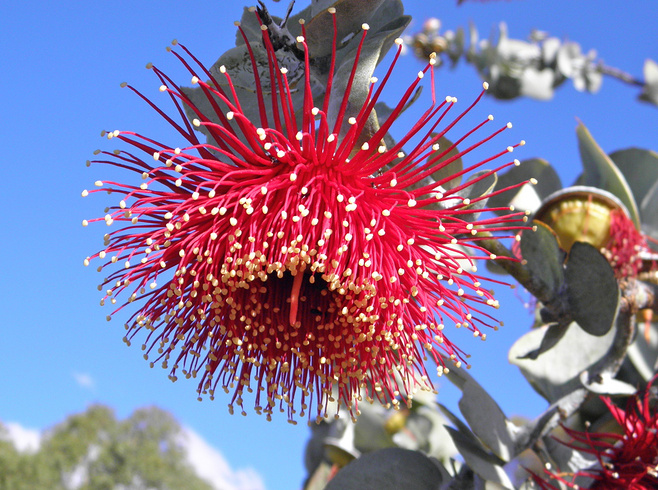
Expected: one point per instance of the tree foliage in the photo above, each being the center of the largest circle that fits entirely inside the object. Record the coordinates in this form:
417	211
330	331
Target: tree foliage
95	450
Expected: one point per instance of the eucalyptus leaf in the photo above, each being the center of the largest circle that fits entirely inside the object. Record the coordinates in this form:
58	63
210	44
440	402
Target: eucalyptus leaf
349	16
375	44
486	182
607	385
640	169
543	258
592	291
567	458
650	88
319	478
649	212
484	464
600	171
370	429
553	335
643	353
556	372
389	469
250	26
448	174
484	416
527	197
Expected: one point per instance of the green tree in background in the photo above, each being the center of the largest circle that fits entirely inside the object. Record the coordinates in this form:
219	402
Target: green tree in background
94	450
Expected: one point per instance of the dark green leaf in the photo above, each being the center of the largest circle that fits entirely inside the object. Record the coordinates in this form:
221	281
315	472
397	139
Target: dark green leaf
640	169
592	291
445	174
543	258
600	171
389	469
528	197
649	212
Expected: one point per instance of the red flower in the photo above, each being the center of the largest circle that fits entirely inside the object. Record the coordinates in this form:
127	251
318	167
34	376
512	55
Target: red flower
626	247
295	258
625	461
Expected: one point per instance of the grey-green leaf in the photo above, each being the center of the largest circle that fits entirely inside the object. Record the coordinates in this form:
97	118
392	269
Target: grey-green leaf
553	335
650	88
389	469
607	385
649	212
446	174
485	465
600	171
544	259
639	167
556	372
484	416
592	291
527	197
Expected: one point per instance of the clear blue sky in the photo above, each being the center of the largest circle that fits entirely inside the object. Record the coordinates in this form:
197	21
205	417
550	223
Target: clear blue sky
61	64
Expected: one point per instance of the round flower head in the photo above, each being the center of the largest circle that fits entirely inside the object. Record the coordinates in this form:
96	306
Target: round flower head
298	257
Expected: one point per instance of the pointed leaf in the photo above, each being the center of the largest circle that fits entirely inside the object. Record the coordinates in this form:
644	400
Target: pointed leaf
600	171
543	258
649	212
484	416
446	174
556	372
527	197
388	469
553	335
484	464
643	353
607	385
592	291
640	169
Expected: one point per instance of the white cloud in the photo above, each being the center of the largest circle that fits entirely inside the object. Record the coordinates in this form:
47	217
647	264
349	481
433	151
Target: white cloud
24	439
84	380
211	465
